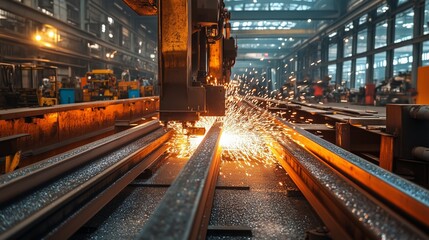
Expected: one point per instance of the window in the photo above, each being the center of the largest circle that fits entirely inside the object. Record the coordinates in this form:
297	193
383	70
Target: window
402	60
348	46
332	55
73	15
12	22
380	34
348	27
404	24
113	30
332	72
426	22
380	64
347	71
401	2
363	19
95	22
361	66
46	6
362	40
425	54
126	40
382	9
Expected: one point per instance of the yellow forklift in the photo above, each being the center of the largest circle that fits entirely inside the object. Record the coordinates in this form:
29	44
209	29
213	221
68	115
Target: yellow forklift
99	84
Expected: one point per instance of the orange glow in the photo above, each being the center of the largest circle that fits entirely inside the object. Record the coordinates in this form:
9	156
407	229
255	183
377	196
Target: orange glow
51	34
38	37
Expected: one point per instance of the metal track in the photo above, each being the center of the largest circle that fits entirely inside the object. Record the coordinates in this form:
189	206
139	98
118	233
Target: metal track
23	181
404	205
73	187
184	211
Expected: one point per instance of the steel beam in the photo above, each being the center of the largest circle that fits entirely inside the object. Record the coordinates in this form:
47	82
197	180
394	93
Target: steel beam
278	33
184	211
284	15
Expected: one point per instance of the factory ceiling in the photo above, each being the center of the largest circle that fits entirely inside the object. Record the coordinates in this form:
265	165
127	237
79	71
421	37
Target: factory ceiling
271	29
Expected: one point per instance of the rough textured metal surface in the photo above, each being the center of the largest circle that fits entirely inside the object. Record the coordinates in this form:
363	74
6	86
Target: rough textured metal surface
362	209
265	208
127	220
22	172
22	208
128	216
60	123
403	185
173	218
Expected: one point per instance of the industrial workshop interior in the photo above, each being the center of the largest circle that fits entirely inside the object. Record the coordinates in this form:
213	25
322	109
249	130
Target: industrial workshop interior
214	119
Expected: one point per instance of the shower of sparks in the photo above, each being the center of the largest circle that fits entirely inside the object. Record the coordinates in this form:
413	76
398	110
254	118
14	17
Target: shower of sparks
184	145
247	134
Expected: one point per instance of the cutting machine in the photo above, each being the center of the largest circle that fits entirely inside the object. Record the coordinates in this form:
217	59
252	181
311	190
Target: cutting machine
196	53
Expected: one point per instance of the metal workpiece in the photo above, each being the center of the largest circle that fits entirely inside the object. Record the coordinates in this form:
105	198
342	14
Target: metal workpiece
61	125
348	212
68	192
420	112
411	199
28	178
184	211
405	195
421	153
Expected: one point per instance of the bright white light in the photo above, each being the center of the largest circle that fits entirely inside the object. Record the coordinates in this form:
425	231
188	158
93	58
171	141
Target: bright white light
110	20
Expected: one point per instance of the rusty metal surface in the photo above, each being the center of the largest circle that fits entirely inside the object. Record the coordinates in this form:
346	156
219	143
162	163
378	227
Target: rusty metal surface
215	63
19	182
61	123
143	7
180	215
30	112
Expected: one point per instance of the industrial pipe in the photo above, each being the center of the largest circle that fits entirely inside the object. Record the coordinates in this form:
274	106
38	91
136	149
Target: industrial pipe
421	153
420	112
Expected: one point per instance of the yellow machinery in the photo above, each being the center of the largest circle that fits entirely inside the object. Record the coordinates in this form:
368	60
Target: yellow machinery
146	88
47	93
125	86
99	84
422	85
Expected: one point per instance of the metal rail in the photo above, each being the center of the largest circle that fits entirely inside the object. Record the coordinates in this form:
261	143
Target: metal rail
347	210
405	198
151	153
64	214
31	179
184	211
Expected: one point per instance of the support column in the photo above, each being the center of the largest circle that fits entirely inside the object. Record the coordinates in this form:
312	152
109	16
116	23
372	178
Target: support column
175	41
